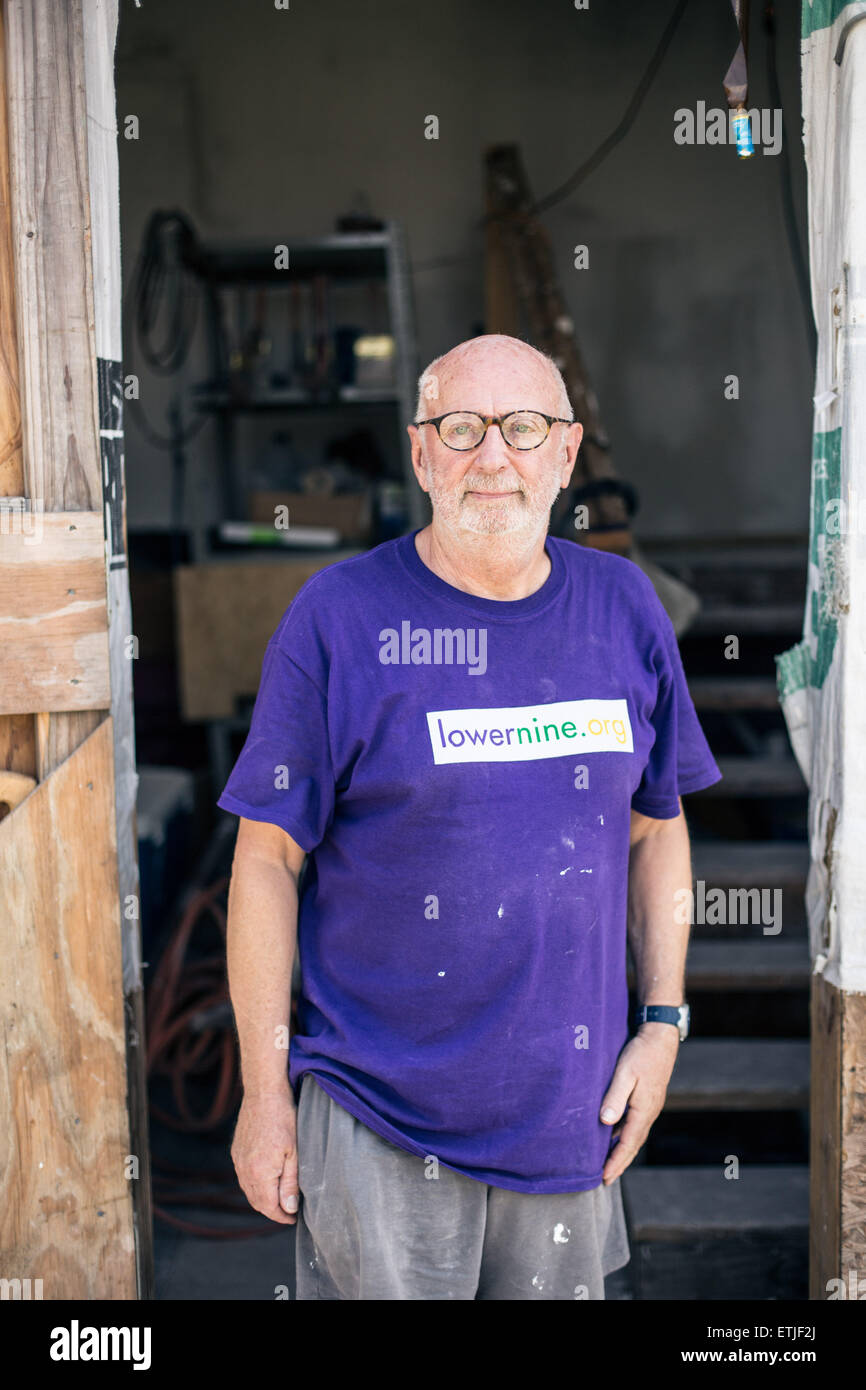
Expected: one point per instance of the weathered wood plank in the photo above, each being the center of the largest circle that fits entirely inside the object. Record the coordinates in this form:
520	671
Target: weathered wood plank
825	1138
65	1201
50	218
11	462
53	615
853	1133
17	746
838	1136
50	233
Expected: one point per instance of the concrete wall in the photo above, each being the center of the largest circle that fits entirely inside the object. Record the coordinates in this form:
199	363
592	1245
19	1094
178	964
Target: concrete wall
267	123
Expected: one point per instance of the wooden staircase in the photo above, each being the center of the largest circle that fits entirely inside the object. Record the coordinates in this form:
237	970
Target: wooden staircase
717	1201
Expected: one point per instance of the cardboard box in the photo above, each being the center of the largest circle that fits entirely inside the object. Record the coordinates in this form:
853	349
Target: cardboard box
349	513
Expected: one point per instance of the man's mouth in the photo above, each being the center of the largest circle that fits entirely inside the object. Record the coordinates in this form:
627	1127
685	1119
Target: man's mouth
478	492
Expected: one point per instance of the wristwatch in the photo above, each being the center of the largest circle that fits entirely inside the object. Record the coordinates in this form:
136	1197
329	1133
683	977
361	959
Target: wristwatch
664	1013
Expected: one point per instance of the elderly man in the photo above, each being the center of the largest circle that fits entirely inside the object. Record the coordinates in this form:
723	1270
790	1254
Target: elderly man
479	736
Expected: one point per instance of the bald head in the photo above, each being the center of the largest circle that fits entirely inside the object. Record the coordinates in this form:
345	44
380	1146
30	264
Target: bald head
520	371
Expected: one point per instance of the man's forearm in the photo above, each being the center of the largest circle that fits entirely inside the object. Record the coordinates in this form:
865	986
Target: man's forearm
262	935
659	869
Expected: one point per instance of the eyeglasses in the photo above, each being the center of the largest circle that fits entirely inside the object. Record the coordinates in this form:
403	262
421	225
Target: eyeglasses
521	429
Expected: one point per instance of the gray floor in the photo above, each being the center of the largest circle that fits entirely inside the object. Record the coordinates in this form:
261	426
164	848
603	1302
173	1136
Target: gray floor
191	1268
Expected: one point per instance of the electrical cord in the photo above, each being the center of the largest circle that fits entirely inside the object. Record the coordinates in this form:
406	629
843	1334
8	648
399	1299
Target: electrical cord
617	135
598	156
155	270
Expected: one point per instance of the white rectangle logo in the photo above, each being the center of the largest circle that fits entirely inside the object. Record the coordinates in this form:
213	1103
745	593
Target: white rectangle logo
527	732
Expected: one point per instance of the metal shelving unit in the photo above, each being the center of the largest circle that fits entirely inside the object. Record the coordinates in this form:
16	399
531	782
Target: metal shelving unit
343	258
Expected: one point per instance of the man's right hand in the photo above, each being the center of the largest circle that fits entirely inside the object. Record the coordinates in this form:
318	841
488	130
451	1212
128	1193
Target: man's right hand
265	1155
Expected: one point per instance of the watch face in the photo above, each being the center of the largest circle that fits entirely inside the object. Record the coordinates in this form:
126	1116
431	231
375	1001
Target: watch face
685	1017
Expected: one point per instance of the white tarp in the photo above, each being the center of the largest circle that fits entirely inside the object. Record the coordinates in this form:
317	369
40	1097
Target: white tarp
822	680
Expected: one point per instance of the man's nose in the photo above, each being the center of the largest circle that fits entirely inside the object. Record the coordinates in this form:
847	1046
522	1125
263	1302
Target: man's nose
492	449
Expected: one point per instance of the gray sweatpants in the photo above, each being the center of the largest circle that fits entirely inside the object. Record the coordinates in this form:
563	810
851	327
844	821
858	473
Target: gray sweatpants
374	1226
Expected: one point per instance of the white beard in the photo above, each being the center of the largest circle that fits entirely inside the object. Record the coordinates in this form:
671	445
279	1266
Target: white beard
525	513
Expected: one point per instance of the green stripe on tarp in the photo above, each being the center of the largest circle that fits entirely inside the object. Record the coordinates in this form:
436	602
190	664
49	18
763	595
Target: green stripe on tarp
820	14
798	667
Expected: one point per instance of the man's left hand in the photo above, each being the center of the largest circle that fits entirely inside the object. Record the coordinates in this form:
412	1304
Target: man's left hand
639	1082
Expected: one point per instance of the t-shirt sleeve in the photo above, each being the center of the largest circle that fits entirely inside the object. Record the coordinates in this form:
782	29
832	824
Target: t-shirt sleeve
284	772
680	760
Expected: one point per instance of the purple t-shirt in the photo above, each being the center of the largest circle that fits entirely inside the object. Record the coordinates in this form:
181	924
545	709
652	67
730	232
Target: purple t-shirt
460	771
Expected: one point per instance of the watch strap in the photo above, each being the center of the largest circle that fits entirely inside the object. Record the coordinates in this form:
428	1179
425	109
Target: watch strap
678	1015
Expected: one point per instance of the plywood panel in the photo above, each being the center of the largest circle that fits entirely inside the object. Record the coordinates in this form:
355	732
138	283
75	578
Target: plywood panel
53	615
65	1202
225	615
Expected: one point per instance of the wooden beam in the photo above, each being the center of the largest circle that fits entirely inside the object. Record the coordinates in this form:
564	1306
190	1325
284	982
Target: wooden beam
17	736
837	1237
825	1140
50	233
529	250
11	462
501	304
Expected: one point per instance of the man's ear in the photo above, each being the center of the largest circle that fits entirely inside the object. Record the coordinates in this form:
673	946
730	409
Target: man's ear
573	436
417	456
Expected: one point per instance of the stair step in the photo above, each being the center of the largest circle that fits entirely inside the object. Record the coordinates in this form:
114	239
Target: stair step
700	1203
696	1235
740	1074
751	864
747	776
741	619
734	692
746	965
